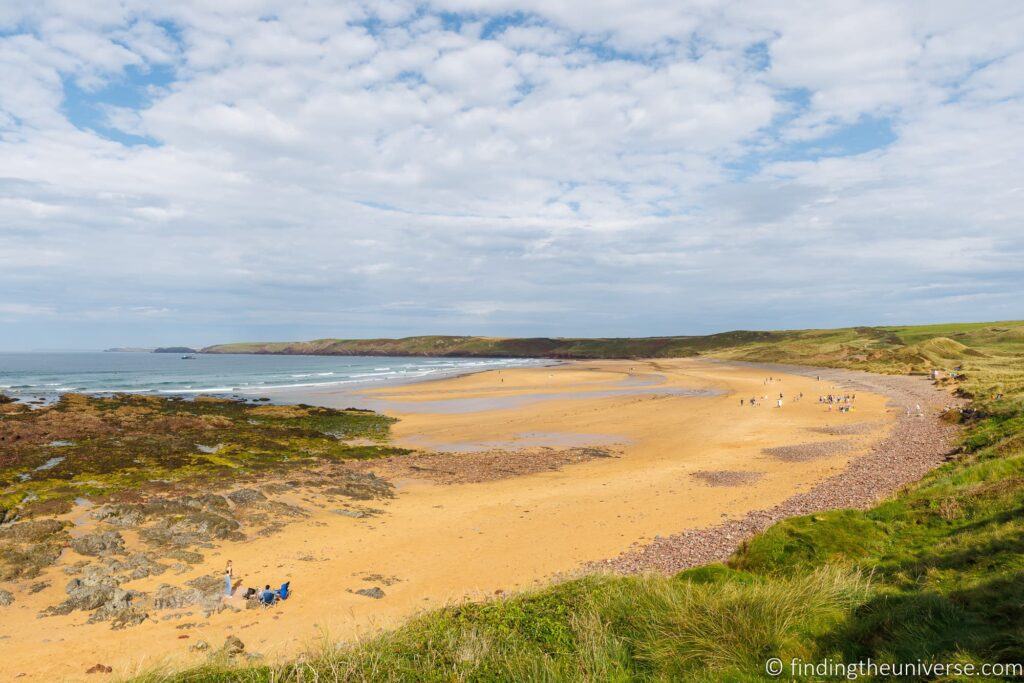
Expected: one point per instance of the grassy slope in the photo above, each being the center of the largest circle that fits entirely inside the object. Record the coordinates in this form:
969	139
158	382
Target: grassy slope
854	346
936	572
538	347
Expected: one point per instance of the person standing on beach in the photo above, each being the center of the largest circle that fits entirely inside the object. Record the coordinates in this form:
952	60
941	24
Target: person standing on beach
228	576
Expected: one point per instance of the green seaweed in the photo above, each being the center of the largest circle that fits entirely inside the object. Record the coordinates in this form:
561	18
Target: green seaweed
126	443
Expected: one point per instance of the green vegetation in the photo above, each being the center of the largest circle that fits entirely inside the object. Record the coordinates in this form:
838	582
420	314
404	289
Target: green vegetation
893	349
96	447
492	347
594	629
936	573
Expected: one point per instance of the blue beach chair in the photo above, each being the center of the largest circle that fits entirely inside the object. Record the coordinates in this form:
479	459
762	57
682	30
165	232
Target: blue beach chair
283	592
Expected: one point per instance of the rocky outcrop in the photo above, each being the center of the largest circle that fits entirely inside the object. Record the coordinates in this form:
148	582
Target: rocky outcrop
99	544
233	646
86	594
360	486
246	497
26	548
126	516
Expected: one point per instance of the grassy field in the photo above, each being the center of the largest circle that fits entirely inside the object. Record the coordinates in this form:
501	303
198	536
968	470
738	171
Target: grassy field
936	573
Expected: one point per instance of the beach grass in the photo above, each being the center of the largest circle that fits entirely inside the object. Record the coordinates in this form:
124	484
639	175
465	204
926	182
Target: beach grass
596	628
934	573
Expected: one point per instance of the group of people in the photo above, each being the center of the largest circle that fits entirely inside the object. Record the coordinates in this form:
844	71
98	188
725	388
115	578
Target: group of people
266	596
753	401
844	403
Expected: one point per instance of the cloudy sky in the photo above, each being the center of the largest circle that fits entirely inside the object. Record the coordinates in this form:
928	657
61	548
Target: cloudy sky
198	172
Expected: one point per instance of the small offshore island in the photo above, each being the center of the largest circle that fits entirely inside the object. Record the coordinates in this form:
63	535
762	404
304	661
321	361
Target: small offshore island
119	512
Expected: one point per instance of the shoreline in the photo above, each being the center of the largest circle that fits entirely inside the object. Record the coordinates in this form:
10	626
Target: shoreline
293	393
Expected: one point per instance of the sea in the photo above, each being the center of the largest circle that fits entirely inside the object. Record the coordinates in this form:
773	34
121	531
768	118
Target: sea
43	377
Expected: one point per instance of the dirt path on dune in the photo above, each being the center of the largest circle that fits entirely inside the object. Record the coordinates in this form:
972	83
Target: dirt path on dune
610	454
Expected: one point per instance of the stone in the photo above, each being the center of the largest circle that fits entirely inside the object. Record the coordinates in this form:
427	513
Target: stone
246	497
6	598
33	531
354	514
360	486
121	609
87	593
376	592
186	556
233	646
204	591
120	515
99	544
128	617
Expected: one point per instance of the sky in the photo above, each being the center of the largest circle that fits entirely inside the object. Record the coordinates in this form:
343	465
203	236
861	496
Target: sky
196	172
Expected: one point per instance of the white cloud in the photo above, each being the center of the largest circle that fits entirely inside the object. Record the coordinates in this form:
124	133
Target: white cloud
668	167
25	309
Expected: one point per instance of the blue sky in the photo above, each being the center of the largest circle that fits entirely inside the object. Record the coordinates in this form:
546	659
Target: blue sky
277	170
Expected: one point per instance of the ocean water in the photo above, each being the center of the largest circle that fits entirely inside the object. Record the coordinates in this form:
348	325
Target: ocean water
30	376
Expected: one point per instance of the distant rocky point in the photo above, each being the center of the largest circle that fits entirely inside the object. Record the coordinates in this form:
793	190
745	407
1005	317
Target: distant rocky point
175	349
127	349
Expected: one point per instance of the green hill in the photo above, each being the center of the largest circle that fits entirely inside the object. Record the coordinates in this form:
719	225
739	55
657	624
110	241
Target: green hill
880	349
499	347
935	573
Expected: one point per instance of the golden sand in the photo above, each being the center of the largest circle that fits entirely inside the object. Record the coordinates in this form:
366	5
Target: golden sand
444	543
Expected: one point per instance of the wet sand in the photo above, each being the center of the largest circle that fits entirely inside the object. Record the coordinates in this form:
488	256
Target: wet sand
436	543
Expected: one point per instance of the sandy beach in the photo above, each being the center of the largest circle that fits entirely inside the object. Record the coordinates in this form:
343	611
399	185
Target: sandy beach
618	455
